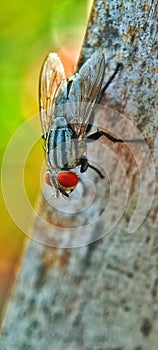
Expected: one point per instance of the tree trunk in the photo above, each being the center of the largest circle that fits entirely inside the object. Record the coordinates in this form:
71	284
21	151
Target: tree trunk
103	295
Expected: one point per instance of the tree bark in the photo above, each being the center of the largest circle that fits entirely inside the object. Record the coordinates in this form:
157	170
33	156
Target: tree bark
103	295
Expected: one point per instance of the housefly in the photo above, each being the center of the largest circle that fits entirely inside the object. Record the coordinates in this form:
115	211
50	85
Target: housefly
67	111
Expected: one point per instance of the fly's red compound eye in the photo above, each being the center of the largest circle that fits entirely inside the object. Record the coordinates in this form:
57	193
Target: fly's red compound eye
47	179
67	180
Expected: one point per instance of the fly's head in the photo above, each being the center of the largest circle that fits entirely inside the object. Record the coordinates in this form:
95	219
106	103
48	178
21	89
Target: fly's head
64	182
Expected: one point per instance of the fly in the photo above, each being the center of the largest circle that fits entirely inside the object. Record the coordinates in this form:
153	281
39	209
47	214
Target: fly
67	111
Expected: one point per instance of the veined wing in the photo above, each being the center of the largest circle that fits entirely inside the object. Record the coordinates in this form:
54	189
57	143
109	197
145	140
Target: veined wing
84	90
51	77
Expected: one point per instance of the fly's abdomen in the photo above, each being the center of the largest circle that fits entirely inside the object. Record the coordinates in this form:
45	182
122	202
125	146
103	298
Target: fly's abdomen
62	150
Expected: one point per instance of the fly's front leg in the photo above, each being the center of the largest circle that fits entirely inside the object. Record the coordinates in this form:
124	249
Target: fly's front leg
85	165
64	193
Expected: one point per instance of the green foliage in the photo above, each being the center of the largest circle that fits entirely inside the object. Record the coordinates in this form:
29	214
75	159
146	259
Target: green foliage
28	31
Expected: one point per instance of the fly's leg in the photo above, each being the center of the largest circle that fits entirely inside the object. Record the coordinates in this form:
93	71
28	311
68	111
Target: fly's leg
101	133
100	96
97	170
64	193
85	165
118	67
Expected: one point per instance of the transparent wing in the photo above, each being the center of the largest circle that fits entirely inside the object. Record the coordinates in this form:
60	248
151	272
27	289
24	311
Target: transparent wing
51	78
84	90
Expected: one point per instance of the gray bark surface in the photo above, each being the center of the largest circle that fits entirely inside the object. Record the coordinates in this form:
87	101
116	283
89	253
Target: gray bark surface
102	296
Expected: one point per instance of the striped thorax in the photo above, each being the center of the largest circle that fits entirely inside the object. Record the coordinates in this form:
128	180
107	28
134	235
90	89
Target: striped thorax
62	147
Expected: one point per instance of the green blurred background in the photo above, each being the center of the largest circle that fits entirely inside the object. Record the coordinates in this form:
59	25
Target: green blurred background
29	30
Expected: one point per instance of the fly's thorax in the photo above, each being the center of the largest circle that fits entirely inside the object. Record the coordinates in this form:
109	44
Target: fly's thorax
62	149
59	122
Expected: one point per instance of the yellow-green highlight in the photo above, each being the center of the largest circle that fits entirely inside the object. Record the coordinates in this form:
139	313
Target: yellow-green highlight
29	30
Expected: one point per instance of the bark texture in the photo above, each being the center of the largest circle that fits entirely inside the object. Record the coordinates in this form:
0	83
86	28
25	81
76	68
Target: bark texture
102	296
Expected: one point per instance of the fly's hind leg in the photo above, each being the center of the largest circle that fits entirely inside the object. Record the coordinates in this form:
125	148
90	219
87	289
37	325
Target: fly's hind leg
100	96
